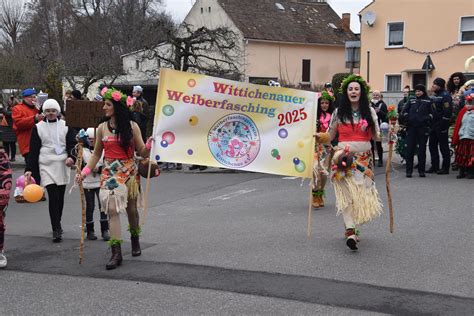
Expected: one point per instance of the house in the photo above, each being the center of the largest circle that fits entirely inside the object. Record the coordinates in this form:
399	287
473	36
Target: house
398	36
298	42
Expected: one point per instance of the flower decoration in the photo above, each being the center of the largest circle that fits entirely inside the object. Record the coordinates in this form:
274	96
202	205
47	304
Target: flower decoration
117	96
355	78
130	101
363	125
326	96
392	112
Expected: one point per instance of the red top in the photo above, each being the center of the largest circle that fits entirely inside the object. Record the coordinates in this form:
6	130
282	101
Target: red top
349	133
23	122
113	150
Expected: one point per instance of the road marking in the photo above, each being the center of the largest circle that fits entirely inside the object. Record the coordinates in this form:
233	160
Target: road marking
289	178
232	195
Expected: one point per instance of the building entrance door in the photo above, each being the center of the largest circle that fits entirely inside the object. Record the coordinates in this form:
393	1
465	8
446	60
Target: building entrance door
419	78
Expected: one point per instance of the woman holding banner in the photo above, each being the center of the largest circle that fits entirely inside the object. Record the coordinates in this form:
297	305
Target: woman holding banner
356	124
118	136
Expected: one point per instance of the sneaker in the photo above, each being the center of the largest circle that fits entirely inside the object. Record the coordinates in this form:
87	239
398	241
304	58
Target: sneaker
3	260
91	235
351	238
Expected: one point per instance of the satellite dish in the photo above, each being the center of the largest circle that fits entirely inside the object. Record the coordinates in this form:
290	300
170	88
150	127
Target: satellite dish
369	18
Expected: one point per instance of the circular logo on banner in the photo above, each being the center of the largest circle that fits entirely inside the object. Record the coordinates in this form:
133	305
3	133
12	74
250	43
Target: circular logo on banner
234	140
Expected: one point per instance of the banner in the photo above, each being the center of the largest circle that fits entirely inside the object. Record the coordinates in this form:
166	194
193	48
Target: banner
216	122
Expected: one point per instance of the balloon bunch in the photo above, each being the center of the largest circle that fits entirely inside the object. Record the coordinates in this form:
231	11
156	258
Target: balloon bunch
31	192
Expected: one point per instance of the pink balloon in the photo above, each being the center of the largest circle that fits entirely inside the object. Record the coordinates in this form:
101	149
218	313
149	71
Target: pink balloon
20	181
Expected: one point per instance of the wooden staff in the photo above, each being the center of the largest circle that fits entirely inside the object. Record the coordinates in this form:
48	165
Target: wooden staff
147	189
388	168
83	199
310	208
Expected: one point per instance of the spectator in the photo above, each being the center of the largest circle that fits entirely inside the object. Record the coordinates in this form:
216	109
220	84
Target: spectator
8	134
137	93
402	103
381	109
25	115
76	95
139	118
441	122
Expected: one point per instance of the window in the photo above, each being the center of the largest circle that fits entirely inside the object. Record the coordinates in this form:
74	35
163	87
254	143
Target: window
467	29
209	9
395	34
137	64
306	70
393	83
202	10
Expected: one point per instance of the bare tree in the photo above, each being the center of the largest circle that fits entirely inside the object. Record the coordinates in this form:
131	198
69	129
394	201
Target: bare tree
12	15
214	52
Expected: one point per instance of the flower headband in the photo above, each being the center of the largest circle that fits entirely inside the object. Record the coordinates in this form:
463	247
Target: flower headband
118	96
326	96
355	78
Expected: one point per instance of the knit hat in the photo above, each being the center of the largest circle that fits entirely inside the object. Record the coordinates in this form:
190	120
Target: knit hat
51	104
440	82
77	94
28	92
420	87
137	89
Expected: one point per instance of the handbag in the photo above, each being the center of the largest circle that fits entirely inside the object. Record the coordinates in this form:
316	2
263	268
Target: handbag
143	168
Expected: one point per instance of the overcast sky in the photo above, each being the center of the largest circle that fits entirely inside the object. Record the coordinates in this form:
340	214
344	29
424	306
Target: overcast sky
179	8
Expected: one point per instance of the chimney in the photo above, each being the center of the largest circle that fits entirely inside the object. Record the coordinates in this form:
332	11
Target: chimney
346	22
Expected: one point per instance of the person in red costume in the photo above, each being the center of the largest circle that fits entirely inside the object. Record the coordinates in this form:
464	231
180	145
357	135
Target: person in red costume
463	138
355	122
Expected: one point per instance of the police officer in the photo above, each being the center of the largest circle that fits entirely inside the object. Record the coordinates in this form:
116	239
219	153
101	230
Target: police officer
418	115
439	135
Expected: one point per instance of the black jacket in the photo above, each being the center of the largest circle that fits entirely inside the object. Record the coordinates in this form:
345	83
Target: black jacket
444	109
418	112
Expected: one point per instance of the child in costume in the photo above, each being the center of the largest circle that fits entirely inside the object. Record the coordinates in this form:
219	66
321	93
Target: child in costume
51	146
463	138
91	185
323	151
118	138
356	124
5	187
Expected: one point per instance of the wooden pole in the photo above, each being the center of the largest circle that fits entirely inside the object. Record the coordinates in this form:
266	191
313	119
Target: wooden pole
147	190
83	200
387	175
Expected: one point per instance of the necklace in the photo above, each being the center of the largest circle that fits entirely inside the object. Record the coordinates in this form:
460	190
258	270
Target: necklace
112	129
355	114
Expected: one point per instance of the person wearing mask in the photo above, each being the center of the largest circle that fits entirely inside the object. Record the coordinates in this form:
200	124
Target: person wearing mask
25	115
418	115
439	134
381	109
51	145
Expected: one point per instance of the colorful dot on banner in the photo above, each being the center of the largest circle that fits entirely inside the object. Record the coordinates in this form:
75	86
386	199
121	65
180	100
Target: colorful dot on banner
278	157
301	144
190	151
300	167
157	157
275	153
168	137
191	83
168	110
296	160
283	133
193	120
164	143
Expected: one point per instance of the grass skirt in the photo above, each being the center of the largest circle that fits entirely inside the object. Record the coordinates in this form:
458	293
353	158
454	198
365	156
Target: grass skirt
355	189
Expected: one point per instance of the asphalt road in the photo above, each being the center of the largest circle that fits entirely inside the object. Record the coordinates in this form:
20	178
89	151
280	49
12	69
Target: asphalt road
235	243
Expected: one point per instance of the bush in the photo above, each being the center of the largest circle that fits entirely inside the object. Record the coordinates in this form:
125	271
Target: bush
337	80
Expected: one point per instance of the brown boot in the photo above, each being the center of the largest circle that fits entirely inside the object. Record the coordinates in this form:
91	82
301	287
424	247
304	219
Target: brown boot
116	258
321	201
136	251
315	202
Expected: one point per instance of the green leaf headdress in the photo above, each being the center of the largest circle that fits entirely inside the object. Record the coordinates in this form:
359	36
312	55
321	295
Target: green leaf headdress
355	78
326	96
